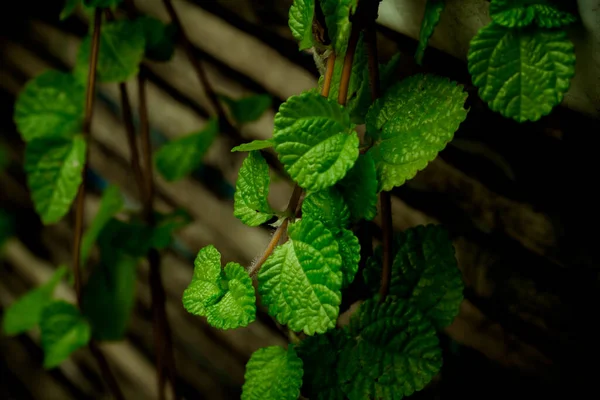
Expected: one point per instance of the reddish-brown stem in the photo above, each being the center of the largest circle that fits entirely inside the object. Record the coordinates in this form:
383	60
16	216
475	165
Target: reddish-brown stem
328	75
280	232
347	68
385	201
105	371
270	248
86	129
165	360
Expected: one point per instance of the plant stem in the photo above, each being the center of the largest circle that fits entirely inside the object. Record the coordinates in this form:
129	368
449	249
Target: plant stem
165	359
347	68
146	148
328	76
385	200
280	232
131	139
270	247
105	371
224	123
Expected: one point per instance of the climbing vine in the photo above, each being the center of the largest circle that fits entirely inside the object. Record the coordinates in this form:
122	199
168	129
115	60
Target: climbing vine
390	348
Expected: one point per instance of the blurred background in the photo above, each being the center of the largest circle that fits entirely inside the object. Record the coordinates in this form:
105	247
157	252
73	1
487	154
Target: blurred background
518	200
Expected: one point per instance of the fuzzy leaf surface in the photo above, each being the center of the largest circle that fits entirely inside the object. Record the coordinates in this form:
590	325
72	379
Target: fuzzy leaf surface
50	106
226	297
395	354
300	282
25	313
54	168
521	13
327	206
251	191
122	47
521	73
424	272
359	189
253	145
411	124
181	156
315	140
300	22
320	355
337	17
273	373
63	330
350	252
433	13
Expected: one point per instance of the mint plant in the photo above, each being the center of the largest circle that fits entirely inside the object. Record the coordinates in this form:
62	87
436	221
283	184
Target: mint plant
522	64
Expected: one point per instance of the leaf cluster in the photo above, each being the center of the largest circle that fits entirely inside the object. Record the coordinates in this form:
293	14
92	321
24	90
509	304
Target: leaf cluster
390	349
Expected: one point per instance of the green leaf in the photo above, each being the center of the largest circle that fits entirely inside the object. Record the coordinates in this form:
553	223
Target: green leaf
159	38
395	354
122	47
300	282
254	145
350	252
411	124
226	297
424	272
101	3
388	71
68	9
251	191
54	171
359	189
109	295
521	13
110	204
320	355
249	108
63	330
180	157
359	79
166	225
433	13
273	373
337	17
25	313
327	206
134	238
300	22
521	73
315	140
359	89
50	106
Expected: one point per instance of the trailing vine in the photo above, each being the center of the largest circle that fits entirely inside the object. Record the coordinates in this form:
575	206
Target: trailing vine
390	348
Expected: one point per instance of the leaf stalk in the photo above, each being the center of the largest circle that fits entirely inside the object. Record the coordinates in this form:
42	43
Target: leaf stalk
97	353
